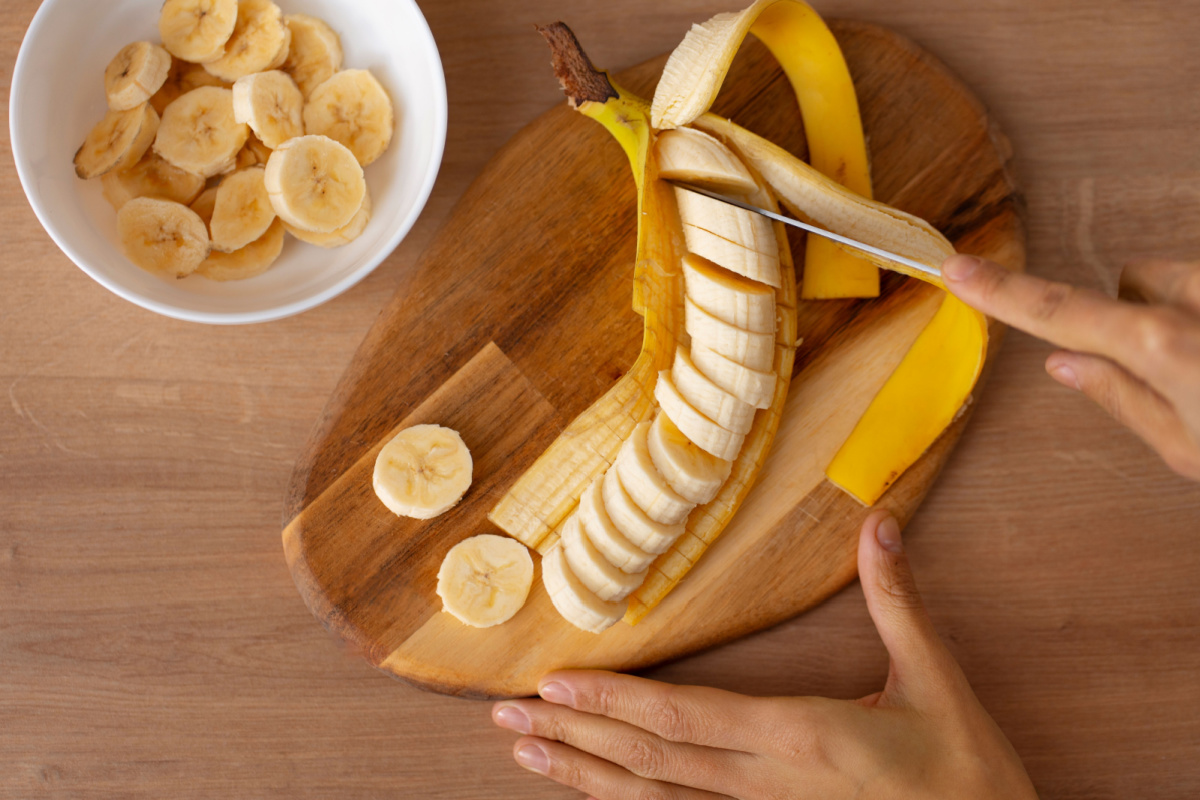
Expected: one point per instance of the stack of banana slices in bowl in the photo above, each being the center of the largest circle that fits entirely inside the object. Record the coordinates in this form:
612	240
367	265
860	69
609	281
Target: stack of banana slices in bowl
240	128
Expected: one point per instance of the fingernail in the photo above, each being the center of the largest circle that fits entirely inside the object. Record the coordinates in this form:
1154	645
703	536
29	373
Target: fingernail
534	758
512	718
555	692
887	533
959	268
1065	375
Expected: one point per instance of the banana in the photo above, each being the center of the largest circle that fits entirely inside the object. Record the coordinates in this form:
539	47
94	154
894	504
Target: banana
197	30
352	108
647	488
574	601
423	471
136	73
692	473
692	156
605	536
734	238
151	177
253	259
342	236
484	580
748	385
592	568
200	134
316	52
748	348
162	236
699	429
645	533
243	211
205	204
117	142
259	42
271	104
254	154
315	183
709	399
727	296
183	78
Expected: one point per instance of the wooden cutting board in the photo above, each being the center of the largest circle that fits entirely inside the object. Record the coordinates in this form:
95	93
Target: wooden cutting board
518	316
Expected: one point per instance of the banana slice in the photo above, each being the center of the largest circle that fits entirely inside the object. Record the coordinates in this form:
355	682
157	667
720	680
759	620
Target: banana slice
423	471
135	75
253	259
709	399
243	211
254	154
748	385
592	568
749	348
648	489
205	204
271	104
692	156
691	471
151	177
183	78
315	183
734	238
316	52
200	134
728	296
259	41
352	108
484	580
702	431
342	236
645	533
574	601
117	142
197	30
605	536
162	236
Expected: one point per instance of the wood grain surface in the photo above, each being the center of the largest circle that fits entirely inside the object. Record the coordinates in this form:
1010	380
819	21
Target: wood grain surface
152	643
547	289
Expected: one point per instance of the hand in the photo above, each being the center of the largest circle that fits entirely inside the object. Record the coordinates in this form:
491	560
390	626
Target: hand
1139	360
925	735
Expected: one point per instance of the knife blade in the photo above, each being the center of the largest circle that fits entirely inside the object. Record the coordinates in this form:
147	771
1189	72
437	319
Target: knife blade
795	223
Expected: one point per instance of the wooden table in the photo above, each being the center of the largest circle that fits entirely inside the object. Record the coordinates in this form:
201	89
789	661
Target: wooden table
152	643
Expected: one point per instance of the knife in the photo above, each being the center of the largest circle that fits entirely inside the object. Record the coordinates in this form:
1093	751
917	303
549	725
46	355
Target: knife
795	223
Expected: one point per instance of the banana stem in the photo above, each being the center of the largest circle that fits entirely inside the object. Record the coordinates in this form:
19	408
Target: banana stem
581	81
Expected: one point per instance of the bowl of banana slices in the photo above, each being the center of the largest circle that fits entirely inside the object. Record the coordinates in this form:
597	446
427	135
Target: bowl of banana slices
228	161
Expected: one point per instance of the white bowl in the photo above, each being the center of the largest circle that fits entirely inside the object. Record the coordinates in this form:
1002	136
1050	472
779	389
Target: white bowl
58	95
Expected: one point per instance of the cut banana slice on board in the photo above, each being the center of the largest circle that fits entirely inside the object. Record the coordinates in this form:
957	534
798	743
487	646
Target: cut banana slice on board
315	54
315	183
576	603
423	471
259	41
352	107
648	489
200	134
749	385
484	580
605	536
734	238
253	259
243	210
648	535
592	568
197	30
702	431
709	399
151	177
748	348
692	156
135	74
271	104
117	142
342	236
162	236
727	296
692	472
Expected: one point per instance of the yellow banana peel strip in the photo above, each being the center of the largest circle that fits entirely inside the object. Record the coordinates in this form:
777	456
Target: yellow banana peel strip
812	60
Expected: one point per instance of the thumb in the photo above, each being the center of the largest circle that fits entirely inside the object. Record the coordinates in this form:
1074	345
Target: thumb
918	656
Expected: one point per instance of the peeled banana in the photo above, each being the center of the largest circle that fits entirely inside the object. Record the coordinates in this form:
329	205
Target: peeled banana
200	134
197	30
592	568
135	74
162	236
259	42
271	104
242	212
315	54
691	471
645	485
423	471
343	235
246	262
117	142
315	183
484	580
351	107
578	605
151	177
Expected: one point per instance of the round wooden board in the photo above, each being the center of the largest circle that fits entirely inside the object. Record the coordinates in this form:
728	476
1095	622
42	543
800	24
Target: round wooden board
518	316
